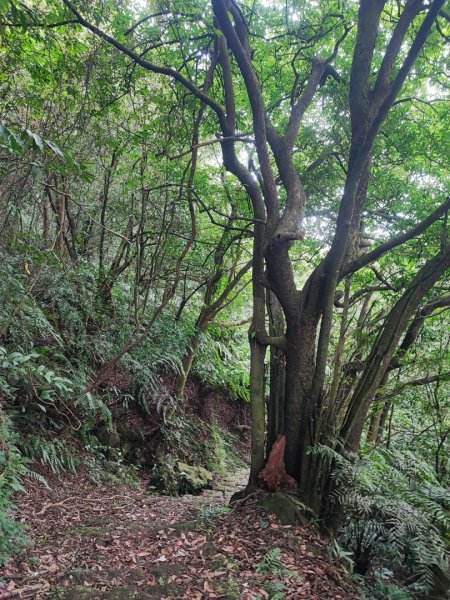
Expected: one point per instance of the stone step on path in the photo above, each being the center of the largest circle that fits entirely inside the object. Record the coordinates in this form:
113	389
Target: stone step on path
226	485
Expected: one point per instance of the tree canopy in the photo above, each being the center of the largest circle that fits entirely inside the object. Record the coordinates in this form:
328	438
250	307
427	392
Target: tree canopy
176	172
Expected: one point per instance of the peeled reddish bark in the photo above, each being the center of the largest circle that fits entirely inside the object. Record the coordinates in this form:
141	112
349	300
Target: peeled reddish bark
274	473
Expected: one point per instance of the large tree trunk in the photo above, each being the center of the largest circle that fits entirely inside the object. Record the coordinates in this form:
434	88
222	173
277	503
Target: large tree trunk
257	366
300	413
307	346
276	403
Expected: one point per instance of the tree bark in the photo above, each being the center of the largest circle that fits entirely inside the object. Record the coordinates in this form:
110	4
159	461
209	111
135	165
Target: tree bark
275	409
385	346
309	313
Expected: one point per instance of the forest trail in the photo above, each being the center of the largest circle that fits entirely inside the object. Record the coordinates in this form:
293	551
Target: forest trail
225	486
112	543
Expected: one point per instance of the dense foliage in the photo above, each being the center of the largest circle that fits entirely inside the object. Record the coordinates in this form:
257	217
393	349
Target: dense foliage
134	189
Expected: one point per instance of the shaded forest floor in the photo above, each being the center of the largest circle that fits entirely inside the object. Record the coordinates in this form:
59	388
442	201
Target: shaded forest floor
113	543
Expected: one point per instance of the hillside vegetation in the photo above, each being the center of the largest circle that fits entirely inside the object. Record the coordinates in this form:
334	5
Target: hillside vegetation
224	245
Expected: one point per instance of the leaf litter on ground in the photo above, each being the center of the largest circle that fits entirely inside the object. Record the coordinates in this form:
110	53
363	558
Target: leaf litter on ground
103	542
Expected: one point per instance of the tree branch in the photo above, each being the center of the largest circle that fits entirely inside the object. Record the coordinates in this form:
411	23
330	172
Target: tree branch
279	342
216	306
415	382
409	13
162	13
41	25
256	102
412	333
230	324
168	71
234	138
413	53
319	67
373	255
368	21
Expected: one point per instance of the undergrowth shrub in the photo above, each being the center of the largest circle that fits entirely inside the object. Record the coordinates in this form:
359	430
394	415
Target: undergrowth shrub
22	318
53	342
36	386
221	450
396	517
223	362
13	467
47	358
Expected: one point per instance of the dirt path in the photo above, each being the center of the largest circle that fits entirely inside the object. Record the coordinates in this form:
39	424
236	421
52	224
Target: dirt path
108	543
225	486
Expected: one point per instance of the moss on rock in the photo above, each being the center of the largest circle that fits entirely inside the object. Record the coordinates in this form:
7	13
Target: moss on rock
288	509
193	479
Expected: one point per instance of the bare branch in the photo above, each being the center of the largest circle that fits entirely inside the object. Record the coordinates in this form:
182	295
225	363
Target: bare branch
230	324
415	382
398	240
228	138
40	25
162	13
217	305
268	340
86	212
415	327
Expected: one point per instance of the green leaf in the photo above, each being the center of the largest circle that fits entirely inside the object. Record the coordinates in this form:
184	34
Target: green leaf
37	139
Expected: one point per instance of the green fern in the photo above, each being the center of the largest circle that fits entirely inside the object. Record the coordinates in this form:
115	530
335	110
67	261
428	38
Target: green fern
224	364
55	453
93	406
395	513
13	468
271	564
385	591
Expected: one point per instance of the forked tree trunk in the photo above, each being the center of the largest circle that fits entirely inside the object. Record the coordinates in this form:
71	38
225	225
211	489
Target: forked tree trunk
309	313
300	411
